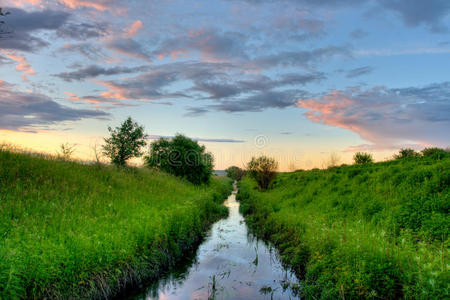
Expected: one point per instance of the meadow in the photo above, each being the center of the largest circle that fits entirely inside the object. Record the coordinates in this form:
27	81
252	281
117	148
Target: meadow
373	231
72	230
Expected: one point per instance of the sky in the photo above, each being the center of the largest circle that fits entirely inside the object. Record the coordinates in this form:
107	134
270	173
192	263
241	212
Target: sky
298	80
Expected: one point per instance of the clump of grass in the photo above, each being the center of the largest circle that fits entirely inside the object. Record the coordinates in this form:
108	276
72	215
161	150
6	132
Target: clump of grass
363	231
76	231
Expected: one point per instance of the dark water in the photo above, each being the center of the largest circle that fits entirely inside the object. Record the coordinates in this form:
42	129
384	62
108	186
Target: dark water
229	264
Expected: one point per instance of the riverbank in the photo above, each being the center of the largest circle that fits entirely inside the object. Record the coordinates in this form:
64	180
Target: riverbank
359	232
229	264
81	231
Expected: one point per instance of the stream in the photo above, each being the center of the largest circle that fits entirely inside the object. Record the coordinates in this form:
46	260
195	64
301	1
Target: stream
230	264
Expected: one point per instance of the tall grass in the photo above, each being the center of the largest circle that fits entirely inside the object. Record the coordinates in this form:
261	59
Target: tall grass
369	232
69	230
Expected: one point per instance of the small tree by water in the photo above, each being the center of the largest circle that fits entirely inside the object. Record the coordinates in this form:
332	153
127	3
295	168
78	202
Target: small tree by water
263	170
125	142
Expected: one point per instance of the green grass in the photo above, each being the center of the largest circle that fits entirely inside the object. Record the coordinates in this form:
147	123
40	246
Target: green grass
69	230
376	231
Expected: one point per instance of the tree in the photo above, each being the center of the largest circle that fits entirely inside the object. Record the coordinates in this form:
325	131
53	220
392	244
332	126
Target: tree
436	153
361	158
235	173
183	157
406	152
125	142
263	170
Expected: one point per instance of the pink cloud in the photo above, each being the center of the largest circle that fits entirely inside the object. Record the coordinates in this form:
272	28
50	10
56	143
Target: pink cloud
22	66
387	118
133	29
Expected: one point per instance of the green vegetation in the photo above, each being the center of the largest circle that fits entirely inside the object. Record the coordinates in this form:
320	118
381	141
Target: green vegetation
436	153
235	173
125	142
70	230
183	157
406	152
373	231
263	170
362	158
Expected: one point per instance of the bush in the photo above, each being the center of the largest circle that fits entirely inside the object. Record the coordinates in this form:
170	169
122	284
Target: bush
361	158
235	173
125	142
183	157
263	170
436	153
407	152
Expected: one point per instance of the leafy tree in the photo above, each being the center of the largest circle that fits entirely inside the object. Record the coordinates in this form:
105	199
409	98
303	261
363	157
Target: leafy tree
235	173
263	170
125	142
361	158
436	153
183	157
407	152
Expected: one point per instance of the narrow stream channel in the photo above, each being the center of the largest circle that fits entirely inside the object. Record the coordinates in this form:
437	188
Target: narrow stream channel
230	264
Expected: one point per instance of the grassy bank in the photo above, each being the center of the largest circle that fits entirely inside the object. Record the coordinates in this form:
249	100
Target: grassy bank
73	230
372	231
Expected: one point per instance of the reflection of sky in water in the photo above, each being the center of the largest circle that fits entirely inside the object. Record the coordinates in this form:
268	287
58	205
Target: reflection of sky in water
231	262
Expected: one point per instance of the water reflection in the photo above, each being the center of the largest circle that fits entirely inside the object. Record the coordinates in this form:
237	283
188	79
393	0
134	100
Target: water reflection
229	264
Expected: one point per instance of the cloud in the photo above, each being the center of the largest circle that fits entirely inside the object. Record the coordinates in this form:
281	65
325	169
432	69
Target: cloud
24	24
22	66
88	50
430	13
414	13
221	89
217	82
387	118
82	31
260	101
29	111
95	71
213	45
358	34
359	72
101	5
302	58
133	29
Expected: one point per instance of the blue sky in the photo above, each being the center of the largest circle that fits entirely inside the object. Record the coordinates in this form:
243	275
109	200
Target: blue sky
297	80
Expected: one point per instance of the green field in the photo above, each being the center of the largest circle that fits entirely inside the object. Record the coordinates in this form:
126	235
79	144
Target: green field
70	230
376	231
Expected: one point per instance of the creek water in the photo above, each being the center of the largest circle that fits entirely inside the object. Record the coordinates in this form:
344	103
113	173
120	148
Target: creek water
230	264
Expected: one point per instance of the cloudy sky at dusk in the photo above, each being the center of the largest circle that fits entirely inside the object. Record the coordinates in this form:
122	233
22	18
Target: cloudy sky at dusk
294	79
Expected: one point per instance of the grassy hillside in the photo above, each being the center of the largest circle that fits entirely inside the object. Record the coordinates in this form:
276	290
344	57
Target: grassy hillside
372	231
72	230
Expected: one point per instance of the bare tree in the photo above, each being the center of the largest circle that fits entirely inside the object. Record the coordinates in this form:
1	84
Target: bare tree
66	150
97	154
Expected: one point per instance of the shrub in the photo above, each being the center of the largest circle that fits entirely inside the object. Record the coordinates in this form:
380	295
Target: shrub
235	173
183	157
263	170
125	142
435	152
361	158
407	152
66	151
